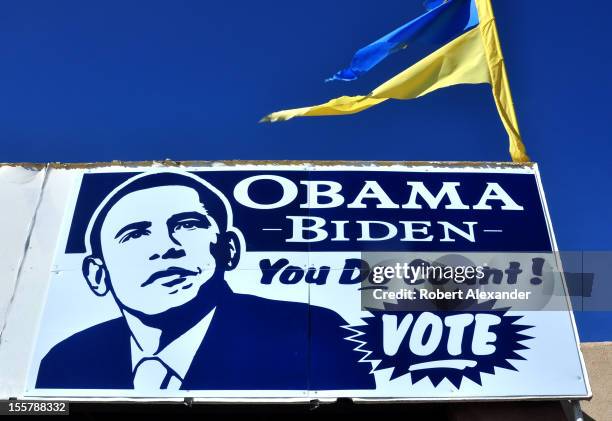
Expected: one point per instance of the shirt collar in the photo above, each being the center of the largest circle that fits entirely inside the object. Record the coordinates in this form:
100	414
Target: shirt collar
178	354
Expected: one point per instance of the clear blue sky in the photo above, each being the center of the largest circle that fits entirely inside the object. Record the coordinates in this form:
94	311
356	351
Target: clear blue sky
188	80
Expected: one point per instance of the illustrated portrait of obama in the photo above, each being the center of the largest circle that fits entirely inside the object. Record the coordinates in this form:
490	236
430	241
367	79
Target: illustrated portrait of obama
160	244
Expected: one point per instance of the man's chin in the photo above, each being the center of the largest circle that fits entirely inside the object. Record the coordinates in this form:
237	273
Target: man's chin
170	302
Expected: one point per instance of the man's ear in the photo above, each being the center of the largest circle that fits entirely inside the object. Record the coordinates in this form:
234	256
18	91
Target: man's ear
234	250
96	275
226	250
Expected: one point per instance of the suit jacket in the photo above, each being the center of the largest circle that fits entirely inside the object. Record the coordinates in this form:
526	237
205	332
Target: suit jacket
252	344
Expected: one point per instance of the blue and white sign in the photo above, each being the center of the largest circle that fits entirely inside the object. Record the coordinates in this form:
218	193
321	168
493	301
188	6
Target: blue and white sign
265	281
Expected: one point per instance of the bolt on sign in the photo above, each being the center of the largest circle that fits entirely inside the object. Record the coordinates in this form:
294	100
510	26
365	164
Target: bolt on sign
291	280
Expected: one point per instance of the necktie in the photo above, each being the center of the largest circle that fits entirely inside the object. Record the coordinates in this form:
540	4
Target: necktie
153	374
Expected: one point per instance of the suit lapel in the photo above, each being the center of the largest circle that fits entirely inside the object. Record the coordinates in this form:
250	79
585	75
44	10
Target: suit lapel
213	360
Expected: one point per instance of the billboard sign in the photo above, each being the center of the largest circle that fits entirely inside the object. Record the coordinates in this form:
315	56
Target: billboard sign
306	281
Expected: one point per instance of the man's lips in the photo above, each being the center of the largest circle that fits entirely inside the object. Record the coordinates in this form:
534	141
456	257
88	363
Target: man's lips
180	273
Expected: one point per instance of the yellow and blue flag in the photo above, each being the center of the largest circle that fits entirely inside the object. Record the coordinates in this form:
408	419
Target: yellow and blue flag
469	53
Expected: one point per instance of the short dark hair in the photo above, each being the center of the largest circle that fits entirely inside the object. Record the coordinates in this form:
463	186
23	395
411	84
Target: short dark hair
209	199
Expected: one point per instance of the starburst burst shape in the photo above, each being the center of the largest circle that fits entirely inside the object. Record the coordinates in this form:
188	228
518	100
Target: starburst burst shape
441	364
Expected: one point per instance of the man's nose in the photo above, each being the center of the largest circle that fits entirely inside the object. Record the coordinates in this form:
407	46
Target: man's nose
171	253
174	252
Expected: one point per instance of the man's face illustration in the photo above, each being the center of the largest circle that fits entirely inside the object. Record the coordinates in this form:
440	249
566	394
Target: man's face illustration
156	245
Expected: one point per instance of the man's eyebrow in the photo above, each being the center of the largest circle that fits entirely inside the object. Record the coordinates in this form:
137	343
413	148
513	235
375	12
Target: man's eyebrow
189	215
134	225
